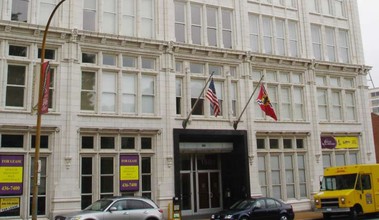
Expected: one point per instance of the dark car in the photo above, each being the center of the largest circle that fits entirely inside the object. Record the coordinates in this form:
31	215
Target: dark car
257	208
133	208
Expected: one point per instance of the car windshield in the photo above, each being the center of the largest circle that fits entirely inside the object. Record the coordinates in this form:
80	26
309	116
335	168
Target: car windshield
99	205
242	204
338	182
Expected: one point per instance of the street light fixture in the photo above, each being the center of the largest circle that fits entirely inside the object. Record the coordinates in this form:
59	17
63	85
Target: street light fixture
38	129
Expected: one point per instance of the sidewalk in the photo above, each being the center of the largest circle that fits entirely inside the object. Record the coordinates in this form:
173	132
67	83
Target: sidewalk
301	215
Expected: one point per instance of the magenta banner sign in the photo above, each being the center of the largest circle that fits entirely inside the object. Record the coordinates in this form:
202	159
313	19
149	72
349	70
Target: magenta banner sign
11	174
129	173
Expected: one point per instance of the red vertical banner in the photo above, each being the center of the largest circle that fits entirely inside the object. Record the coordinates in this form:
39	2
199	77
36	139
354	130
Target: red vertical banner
46	87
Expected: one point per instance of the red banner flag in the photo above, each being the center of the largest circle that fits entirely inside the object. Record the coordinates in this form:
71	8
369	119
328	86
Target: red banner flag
265	104
46	87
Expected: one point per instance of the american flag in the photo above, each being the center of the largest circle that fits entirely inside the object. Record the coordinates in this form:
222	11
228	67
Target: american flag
211	95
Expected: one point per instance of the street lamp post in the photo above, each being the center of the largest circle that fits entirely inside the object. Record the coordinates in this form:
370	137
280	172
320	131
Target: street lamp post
38	129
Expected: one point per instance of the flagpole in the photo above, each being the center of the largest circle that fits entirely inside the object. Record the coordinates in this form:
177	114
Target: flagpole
235	123
38	129
185	121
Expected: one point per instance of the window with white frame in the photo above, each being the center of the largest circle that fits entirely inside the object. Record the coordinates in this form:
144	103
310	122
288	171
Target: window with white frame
343	42
326	6
286	93
233	95
254	32
267	34
316	41
336	102
98	169
180	22
122	17
207	25
16	87
278	157
293	38
196	20
99	88
20	10
280	36
314	6
212	20
340	8
45	8
340	157
330	43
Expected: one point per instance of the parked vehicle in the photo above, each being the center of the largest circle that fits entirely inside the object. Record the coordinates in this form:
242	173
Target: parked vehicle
133	208
350	190
257	208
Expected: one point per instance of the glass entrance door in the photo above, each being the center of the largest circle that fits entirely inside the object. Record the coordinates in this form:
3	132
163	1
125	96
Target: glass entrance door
200	184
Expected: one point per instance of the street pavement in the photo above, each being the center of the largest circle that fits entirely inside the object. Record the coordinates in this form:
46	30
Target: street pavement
308	215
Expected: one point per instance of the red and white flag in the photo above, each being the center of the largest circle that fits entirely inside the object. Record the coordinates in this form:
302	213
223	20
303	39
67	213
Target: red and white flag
211	95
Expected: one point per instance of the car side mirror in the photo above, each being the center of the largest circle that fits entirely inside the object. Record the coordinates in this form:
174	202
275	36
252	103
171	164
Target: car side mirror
112	209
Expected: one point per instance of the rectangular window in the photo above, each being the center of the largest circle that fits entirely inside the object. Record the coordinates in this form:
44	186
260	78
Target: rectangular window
180	25
109	92
336	106
128	143
340	10
46	8
147	18
44	142
148	94
322	101
280	39
88	91
16	86
267	35
196	88
293	39
316	41
227	28
275	177
330	43
340	160
107	176
350	106
129	93
178	92
196	24
314	6
42	191
87	142
302	176
18	51
49	54
87	180
107	142
109	16
20	10
298	103
146	174
212	26
148	63
109	59
233	95
12	141
128	17
254	32
89	15
326	7
285	110
343	46
290	179
273	95
326	160
263	175
146	143
197	68
89	58
129	61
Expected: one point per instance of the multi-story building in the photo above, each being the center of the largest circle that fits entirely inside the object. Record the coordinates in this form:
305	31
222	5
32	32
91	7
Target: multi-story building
374	100
126	73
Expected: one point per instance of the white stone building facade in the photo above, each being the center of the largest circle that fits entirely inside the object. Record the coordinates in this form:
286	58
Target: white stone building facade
126	73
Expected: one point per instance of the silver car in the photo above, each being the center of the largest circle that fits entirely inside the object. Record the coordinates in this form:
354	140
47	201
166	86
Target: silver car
117	208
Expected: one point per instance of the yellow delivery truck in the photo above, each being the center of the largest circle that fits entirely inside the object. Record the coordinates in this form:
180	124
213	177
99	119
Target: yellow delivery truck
352	190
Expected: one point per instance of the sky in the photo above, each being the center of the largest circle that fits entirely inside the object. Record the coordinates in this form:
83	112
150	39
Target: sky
369	19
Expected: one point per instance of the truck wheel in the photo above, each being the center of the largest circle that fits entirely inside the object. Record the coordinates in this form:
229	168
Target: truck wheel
326	216
353	214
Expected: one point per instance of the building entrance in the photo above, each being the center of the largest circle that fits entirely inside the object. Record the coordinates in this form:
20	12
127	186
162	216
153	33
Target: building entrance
200	183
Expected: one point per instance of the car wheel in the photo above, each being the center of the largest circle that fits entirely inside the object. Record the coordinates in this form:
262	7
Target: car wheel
284	217
326	216
353	214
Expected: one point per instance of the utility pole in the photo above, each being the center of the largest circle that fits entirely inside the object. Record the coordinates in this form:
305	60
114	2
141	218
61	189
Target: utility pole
38	129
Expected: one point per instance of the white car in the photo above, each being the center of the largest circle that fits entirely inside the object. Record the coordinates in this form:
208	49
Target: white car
117	208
